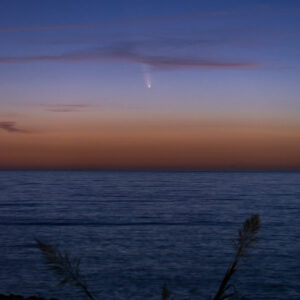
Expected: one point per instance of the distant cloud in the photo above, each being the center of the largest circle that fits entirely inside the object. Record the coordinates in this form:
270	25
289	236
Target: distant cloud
160	52
253	9
122	54
10	126
66	108
50	27
126	22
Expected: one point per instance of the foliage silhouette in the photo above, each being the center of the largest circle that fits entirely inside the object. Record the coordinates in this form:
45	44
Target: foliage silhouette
247	237
64	266
68	269
165	293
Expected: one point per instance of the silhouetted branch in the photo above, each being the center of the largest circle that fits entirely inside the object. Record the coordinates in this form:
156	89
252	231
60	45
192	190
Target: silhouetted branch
65	267
247	237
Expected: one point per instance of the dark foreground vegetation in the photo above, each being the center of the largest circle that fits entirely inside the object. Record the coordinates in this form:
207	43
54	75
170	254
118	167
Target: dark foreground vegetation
18	297
68	269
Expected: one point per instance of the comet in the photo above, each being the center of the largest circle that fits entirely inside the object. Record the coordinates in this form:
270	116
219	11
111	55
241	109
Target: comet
147	76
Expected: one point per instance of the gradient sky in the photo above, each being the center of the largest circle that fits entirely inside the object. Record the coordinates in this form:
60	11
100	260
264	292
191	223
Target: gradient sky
149	84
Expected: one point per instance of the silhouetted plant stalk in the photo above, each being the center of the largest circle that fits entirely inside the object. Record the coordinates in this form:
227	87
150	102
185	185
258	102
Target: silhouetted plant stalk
65	267
69	269
165	293
247	237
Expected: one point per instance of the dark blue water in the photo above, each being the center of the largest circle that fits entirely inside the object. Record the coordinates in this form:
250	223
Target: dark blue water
137	230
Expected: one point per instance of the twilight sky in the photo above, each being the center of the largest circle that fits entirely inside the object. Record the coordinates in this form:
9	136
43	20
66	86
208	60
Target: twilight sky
149	84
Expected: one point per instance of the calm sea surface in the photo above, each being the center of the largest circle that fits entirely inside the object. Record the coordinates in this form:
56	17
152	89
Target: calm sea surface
136	230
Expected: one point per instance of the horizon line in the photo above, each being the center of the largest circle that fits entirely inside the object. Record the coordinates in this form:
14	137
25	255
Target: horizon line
154	170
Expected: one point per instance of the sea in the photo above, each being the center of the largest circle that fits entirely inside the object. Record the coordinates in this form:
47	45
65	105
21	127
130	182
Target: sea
138	230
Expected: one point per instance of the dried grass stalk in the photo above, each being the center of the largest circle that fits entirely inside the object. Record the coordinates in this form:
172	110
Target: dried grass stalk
67	268
247	237
165	293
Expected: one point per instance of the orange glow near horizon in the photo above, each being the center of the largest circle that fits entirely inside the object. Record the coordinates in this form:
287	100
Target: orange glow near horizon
138	143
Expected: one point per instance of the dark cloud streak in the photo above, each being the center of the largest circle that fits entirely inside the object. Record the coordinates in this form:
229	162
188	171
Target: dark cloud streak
160	53
157	62
67	108
129	22
11	127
